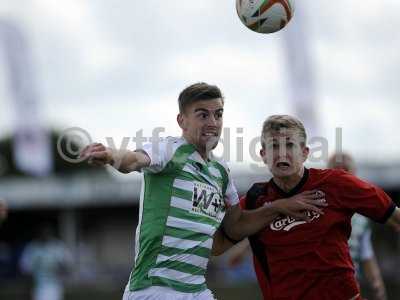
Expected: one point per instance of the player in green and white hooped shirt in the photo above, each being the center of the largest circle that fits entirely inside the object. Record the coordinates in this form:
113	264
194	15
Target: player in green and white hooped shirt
185	196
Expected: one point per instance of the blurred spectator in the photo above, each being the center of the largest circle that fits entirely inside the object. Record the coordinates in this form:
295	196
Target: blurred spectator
361	249
47	260
3	211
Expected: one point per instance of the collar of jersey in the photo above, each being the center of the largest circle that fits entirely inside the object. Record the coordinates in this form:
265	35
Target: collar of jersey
294	190
200	158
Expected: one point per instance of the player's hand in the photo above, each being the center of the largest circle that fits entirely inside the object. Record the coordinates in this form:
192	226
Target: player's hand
3	210
97	154
298	205
236	259
238	253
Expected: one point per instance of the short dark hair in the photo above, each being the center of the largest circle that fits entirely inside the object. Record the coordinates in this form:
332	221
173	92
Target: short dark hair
198	92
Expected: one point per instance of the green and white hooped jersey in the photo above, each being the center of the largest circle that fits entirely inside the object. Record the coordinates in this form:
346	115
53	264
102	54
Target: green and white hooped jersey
182	203
360	241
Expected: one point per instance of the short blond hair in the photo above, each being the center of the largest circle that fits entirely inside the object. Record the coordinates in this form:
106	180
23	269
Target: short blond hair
277	123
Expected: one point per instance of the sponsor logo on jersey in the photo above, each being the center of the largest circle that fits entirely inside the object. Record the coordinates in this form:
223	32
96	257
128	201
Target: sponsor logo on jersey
207	201
286	223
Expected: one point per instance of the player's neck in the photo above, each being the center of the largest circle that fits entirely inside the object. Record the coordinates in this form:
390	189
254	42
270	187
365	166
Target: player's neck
204	153
288	183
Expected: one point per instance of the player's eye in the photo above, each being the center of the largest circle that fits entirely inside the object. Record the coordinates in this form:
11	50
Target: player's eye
202	116
275	146
218	115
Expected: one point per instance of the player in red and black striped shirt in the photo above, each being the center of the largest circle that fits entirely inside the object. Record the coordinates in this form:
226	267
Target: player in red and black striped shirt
310	260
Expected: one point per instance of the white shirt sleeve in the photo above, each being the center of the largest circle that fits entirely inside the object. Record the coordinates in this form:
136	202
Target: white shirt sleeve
160	153
231	194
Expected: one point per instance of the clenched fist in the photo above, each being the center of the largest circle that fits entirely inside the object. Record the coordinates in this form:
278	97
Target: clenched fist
97	154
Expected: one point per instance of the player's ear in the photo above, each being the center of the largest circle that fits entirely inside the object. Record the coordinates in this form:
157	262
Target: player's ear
181	121
263	155
306	152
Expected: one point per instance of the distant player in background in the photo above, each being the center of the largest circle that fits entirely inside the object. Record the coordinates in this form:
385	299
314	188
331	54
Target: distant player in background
3	211
47	260
361	249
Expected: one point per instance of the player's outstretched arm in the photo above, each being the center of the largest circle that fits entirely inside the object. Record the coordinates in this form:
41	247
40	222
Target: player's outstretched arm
394	220
239	224
124	161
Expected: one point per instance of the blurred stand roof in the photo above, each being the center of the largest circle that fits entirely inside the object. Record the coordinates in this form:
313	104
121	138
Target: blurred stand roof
92	188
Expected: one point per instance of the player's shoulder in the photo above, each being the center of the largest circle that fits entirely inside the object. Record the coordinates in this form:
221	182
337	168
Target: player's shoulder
220	162
163	143
250	200
172	141
257	189
339	178
161	152
325	172
327	175
169	145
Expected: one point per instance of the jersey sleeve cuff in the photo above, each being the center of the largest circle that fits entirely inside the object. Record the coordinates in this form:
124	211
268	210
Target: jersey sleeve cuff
387	214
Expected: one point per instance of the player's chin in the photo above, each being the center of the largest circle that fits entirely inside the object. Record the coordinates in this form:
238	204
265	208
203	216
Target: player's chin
279	172
209	142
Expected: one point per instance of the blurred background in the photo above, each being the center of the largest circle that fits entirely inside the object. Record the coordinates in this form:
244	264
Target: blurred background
75	71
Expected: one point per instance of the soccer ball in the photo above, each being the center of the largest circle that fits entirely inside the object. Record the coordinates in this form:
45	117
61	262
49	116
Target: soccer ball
265	16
